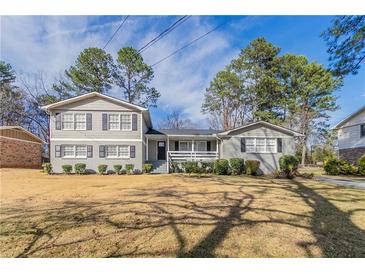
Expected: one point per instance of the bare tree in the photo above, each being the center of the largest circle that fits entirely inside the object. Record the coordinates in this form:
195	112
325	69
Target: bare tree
175	120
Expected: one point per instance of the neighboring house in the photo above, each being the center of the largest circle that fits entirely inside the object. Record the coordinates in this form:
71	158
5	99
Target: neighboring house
98	129
351	136
19	148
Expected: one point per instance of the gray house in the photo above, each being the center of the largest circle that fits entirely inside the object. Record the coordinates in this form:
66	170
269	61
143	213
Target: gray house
351	136
97	129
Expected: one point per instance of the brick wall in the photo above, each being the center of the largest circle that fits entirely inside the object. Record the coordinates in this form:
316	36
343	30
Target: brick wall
351	154
22	154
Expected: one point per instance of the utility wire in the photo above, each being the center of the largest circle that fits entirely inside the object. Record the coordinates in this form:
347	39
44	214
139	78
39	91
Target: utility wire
188	44
173	26
116	31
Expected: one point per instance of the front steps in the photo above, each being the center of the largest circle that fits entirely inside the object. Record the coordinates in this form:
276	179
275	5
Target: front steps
158	166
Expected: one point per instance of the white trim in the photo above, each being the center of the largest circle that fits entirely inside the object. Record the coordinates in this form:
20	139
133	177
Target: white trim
348	118
91	94
185	141
295	133
21	140
95	140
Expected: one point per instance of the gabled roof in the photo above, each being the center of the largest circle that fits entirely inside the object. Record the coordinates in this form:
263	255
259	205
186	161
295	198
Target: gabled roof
263	123
348	118
35	137
144	110
182	132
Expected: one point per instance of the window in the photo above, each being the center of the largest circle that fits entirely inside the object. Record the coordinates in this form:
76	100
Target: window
68	121
111	151
200	146
114	123
123	151
114	151
185	146
250	145
80	121
362	130
69	151
261	145
126	121
80	152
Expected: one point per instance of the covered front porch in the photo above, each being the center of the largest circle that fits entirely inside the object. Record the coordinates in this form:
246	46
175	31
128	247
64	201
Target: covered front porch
181	148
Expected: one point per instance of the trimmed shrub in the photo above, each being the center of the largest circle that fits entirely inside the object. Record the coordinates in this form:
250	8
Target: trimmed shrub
47	168
346	168
102	169
252	166
237	165
175	167
80	168
207	167
147	168
221	167
331	166
67	169
289	165
361	165
191	167
334	166
117	169
123	172
129	168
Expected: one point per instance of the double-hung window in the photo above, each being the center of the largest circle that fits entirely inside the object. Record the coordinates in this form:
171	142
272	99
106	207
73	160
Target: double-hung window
261	145
185	146
80	121
74	151
68	121
126	122
120	122
114	122
200	146
120	151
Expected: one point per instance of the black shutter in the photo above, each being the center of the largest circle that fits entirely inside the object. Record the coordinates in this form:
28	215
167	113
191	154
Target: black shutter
362	131
280	144
101	151
89	151
176	145
58	151
208	145
132	151
105	121
89	121
243	145
58	121
134	122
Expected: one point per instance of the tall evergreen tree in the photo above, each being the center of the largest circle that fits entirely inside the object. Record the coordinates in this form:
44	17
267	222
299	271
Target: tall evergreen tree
346	44
133	75
92	71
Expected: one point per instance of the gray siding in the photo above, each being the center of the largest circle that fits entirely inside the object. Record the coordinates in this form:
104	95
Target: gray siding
92	163
349	133
231	147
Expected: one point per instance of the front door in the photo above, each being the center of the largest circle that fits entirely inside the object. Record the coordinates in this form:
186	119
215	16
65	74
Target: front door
161	150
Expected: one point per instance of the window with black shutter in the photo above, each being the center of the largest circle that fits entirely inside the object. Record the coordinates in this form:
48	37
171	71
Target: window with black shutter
362	131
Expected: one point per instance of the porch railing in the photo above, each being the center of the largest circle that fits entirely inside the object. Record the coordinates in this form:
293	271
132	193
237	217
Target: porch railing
182	156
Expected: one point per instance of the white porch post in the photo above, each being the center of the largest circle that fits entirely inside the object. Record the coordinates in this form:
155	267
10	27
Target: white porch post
193	150
147	149
168	156
217	147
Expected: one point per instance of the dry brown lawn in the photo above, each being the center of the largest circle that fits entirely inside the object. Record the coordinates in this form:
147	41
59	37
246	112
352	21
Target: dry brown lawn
177	216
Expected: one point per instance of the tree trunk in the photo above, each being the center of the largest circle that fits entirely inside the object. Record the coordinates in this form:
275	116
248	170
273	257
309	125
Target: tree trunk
304	150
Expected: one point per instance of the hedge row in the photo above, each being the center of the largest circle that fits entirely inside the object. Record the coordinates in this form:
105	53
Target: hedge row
334	166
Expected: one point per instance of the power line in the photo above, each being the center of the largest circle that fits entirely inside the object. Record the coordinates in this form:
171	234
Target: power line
116	31
165	32
188	44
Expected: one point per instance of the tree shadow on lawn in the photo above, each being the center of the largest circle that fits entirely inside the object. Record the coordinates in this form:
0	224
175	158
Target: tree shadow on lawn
173	207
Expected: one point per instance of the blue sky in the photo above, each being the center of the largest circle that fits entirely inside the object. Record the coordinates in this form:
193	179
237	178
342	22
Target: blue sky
50	44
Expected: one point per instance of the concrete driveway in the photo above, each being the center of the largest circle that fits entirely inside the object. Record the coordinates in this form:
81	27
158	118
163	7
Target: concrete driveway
347	182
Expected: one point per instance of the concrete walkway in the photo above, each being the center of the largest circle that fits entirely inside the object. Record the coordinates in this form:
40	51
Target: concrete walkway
342	182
